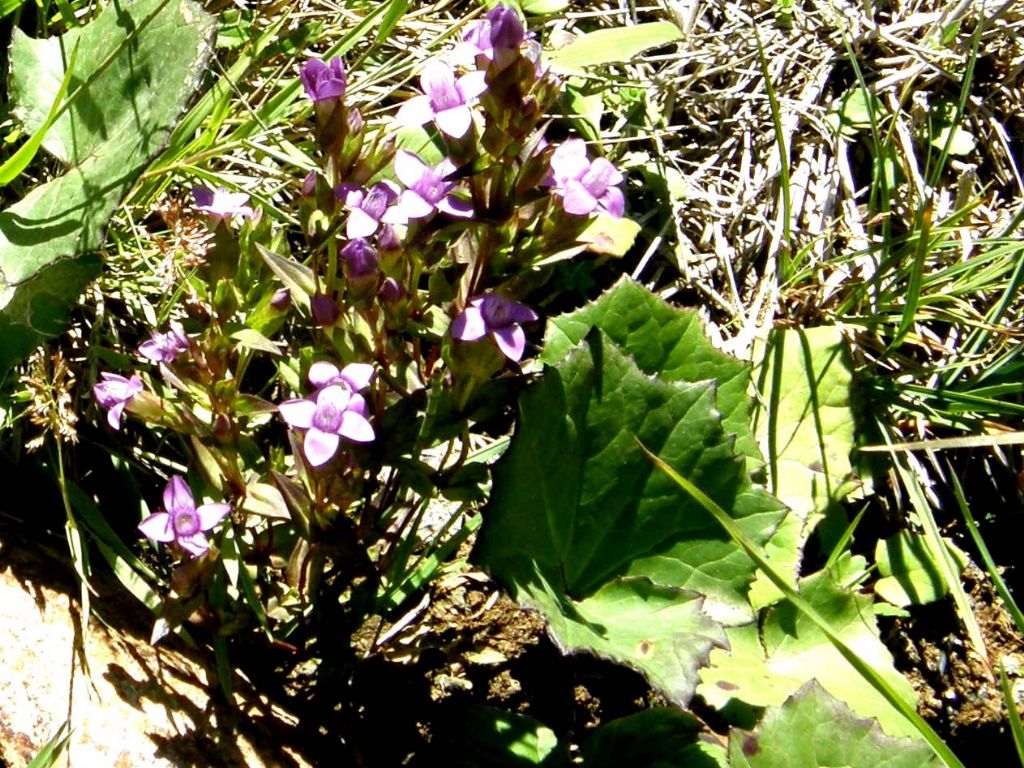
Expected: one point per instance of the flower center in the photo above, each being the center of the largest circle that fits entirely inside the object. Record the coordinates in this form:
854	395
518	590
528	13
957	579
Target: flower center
327	417
186	523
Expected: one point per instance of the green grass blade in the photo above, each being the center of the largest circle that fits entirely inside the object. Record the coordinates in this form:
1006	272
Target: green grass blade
1012	714
53	749
863	668
17	162
990	564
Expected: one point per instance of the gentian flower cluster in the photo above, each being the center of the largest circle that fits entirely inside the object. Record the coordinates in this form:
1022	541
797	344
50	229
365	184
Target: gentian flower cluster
333	412
181	521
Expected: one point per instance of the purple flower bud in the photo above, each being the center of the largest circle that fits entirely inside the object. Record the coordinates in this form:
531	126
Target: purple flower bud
359	257
499	317
445	100
114	392
390	291
309	184
181	521
165	347
220	204
355	121
387	239
325	312
281	300
323	82
497	38
585	186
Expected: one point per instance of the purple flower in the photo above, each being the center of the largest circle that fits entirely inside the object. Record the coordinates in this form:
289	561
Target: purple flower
332	413
323	82
165	347
114	392
497	38
360	258
500	317
281	300
585	186
181	521
427	190
390	290
220	204
366	208
445	100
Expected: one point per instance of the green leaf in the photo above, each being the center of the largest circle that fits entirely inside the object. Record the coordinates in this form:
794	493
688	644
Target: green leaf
54	749
663	341
805	427
137	65
498	739
910	575
662	737
763	669
613	46
814	730
582	527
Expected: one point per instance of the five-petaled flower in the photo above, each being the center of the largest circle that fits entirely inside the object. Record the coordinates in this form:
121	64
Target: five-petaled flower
220	204
428	190
165	347
365	207
445	101
323	82
182	521
585	186
333	412
114	392
500	317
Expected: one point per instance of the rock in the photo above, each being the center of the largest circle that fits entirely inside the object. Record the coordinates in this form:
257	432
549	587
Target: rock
139	705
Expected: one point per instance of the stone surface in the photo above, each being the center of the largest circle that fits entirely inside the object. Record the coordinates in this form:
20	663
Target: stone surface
140	705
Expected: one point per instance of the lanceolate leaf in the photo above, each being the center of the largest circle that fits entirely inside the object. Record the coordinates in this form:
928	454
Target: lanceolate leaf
814	730
137	64
582	526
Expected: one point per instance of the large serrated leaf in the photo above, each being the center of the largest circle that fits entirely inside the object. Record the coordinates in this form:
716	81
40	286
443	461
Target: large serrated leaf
805	428
136	66
764	668
583	527
814	730
664	341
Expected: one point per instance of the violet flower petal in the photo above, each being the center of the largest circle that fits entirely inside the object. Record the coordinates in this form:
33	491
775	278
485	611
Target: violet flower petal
157	527
178	497
321	373
355	427
195	544
297	413
511	341
320	446
469	325
357	375
211	514
454	122
415	112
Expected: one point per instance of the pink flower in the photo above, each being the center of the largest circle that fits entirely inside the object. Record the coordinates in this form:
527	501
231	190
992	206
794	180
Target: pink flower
333	412
182	521
500	317
220	204
114	392
366	207
585	186
165	347
427	191
445	100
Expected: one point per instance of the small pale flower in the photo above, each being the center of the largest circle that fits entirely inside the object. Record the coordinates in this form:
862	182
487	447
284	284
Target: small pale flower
500	318
446	99
427	190
585	186
366	207
323	82
220	204
181	521
165	347
332	413
113	393
354	376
